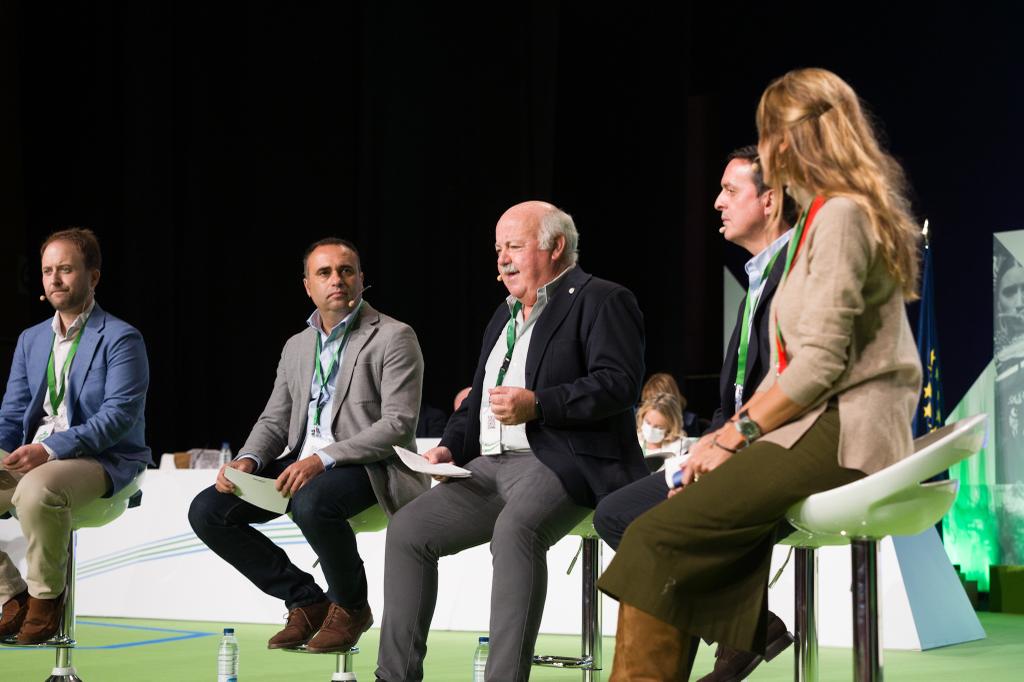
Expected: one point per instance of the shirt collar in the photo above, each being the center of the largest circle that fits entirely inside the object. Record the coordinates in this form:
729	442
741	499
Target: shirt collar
756	265
545	293
79	322
314	322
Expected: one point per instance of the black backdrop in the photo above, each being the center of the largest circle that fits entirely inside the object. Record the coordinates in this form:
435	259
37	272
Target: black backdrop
207	144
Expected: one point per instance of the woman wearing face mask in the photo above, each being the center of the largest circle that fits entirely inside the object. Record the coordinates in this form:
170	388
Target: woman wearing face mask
659	427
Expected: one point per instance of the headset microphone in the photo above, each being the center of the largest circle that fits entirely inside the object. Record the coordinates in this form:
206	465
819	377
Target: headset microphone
498	278
354	302
42	298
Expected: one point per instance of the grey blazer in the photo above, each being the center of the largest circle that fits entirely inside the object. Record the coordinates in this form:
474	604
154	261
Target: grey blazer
376	404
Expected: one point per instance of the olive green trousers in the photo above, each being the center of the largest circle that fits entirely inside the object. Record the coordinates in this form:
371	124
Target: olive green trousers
700	560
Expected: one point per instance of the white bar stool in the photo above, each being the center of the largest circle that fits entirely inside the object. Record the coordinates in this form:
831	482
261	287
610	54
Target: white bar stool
97	513
892	501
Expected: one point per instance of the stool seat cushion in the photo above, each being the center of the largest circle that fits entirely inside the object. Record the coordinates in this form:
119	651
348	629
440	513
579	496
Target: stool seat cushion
370	520
103	510
892	501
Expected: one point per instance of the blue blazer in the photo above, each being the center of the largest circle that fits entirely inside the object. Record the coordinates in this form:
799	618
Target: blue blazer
586	366
105	396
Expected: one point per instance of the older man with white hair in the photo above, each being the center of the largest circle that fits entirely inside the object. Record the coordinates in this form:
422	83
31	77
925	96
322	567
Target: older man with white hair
547	431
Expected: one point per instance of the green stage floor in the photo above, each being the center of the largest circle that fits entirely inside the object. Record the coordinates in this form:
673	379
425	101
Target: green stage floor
114	649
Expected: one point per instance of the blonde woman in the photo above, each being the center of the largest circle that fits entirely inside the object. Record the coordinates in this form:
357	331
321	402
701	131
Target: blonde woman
660	383
838	404
659	428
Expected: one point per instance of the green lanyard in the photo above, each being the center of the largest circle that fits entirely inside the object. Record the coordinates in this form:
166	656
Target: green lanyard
744	345
322	376
510	341
56	398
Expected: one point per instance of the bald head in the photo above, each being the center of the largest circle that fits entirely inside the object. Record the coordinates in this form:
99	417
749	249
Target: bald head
534	242
552	223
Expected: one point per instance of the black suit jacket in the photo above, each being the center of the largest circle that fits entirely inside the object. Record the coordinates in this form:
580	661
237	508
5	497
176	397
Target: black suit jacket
586	367
758	355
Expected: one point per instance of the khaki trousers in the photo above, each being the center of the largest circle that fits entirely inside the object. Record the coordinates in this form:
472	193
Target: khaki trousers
44	499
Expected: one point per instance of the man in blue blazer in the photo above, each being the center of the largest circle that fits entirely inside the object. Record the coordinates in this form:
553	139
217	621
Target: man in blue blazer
72	427
546	431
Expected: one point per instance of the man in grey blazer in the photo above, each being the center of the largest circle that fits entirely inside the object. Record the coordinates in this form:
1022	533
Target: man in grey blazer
347	390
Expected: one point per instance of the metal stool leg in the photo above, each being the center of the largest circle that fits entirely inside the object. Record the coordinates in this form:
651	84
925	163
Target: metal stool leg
805	612
591	629
64	670
589	660
344	672
867	655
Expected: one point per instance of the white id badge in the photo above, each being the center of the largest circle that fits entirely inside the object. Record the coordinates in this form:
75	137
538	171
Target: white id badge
42	433
316	440
490	433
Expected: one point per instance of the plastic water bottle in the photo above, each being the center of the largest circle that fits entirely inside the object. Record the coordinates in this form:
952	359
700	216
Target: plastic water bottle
480	659
227	657
225	453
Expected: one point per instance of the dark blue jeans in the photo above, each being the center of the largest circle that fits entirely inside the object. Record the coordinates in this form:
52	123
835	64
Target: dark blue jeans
320	509
618	509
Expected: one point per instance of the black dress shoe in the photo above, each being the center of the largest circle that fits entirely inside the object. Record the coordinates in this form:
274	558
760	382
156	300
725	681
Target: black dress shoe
732	664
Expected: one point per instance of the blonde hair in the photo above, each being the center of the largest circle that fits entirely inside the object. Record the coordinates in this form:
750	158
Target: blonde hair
660	383
668	406
815	134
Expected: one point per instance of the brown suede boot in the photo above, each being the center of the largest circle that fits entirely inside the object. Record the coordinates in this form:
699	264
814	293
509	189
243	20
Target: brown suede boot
13	614
648	649
303	621
341	630
42	620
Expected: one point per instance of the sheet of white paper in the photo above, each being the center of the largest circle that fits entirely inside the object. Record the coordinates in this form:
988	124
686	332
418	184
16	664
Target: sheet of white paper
257	490
417	463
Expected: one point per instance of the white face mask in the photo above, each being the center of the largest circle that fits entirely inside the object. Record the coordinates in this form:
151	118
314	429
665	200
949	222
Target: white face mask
652	434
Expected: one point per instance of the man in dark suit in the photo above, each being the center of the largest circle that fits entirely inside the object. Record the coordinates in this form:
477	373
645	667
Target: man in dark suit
73	419
546	431
747	208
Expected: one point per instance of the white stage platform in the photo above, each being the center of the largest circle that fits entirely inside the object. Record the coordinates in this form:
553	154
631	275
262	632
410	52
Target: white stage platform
149	564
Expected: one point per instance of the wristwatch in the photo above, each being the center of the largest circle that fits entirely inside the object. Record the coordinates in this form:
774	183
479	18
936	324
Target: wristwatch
747	427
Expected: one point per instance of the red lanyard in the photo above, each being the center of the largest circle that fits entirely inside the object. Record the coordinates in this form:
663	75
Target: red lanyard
803	228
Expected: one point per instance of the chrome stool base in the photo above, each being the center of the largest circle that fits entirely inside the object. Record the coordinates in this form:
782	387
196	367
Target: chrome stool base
343	667
589	660
584	663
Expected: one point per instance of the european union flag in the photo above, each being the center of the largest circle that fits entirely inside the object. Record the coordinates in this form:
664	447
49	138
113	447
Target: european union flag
929	411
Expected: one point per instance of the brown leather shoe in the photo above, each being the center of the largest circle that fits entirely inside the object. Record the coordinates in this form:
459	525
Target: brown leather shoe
341	630
13	614
303	621
732	664
42	620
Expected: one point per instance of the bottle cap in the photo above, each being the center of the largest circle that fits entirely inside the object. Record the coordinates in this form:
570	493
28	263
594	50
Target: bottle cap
229	631
485	640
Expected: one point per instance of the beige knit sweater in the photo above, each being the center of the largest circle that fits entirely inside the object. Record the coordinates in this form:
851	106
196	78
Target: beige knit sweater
847	337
